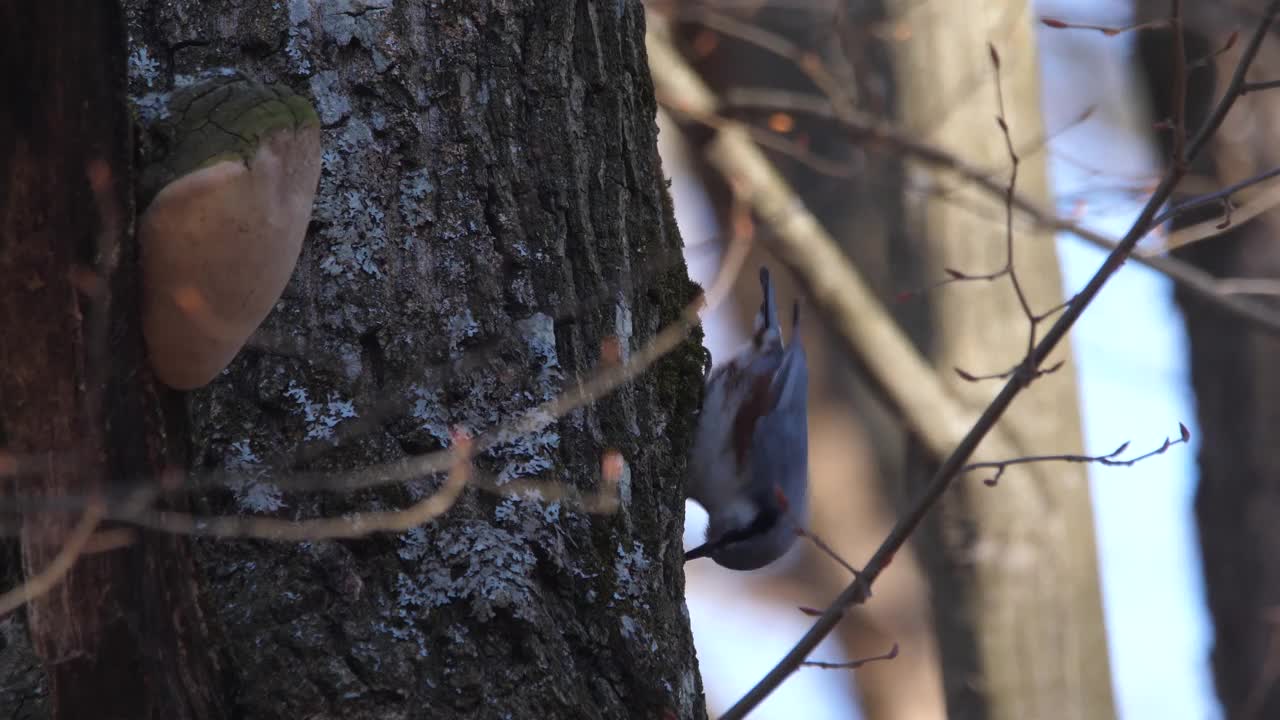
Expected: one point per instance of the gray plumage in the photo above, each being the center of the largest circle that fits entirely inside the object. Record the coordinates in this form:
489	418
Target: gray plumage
749	465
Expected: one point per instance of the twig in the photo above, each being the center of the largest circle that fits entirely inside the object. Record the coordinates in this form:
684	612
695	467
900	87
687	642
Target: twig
1009	269
602	381
94	286
355	525
806	61
868	132
1251	286
771	140
603	500
48	578
1178	156
1111	459
1256	86
826	549
1216	196
1265	199
859	589
1108	30
852	664
456	460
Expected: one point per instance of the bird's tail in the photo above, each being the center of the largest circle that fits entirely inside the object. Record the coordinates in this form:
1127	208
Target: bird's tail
767	326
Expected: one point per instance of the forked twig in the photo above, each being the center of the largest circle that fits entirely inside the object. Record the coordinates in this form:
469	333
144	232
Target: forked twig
1111	459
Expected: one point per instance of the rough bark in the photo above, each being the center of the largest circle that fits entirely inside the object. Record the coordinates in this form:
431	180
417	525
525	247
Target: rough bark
1015	582
856	446
491	211
1232	366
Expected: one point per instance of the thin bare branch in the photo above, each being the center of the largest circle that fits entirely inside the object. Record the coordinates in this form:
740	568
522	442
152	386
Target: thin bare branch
874	134
357	524
604	380
48	578
1262	85
1251	286
807	62
1108	30
1266	198
1179	84
1216	196
1112	458
852	664
826	550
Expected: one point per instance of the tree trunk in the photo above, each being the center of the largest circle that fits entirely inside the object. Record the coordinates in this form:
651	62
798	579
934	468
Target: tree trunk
1015	580
1232	366
79	415
491	216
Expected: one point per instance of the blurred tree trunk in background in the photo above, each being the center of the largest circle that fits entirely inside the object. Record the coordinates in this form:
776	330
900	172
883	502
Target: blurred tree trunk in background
1014	568
856	446
1233	368
491	215
78	414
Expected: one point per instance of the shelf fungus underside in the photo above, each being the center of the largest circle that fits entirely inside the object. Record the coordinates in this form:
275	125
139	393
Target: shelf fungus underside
228	194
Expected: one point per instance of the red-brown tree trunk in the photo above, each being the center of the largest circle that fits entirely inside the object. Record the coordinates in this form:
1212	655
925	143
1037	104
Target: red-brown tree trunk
121	636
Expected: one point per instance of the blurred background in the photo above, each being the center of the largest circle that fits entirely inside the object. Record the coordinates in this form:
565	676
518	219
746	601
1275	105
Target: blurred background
1072	591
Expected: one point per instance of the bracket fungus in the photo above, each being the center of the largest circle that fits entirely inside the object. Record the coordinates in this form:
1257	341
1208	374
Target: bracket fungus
232	172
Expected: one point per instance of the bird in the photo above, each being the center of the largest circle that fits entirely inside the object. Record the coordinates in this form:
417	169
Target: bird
749	463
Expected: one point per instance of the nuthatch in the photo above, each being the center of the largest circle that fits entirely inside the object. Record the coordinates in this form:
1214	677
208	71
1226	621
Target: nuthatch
750	462
232	173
